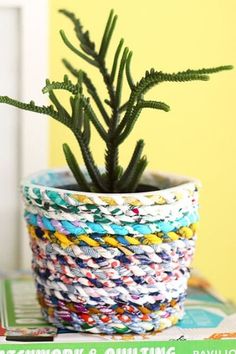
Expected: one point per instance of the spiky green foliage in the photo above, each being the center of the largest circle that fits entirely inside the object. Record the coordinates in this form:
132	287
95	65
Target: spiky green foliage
118	115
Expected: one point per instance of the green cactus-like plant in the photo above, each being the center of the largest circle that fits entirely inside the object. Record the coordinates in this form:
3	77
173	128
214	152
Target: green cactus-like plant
118	117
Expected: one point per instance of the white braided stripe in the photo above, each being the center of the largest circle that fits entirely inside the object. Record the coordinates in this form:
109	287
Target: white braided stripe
125	210
125	215
139	295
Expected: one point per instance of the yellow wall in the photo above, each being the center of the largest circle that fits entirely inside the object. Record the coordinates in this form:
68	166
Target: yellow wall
198	136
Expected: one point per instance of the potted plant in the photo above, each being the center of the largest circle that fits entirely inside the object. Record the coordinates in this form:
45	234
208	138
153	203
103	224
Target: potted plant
111	246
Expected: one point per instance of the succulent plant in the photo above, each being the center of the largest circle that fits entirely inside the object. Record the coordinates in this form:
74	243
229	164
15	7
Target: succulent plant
117	117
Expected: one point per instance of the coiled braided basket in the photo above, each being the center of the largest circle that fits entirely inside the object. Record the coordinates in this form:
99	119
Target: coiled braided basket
111	263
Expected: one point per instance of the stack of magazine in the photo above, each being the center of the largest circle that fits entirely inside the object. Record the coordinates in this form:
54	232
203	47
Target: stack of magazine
208	327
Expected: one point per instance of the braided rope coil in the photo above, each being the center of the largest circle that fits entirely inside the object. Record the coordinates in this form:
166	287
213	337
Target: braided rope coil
122	323
114	215
80	228
42	187
111	263
80	306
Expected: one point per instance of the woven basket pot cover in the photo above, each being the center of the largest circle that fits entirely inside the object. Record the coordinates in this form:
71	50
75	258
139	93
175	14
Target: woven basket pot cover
111	263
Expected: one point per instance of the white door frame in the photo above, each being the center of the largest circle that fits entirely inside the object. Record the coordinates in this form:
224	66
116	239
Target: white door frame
33	149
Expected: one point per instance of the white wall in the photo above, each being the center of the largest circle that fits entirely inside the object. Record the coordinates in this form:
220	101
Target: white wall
9	137
23	135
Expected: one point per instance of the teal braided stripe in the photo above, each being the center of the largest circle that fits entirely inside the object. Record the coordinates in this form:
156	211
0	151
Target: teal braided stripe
53	196
75	228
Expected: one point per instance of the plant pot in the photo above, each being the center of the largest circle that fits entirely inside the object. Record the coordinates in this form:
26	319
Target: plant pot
111	263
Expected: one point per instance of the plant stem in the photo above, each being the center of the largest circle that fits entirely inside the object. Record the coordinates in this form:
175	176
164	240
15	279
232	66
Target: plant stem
112	150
